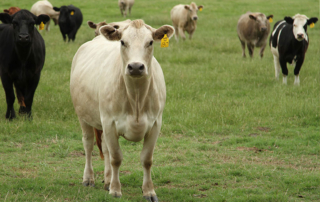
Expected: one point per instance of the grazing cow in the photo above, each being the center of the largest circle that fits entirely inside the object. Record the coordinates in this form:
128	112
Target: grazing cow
70	21
253	29
22	54
118	87
12	10
184	18
125	6
45	7
116	25
289	43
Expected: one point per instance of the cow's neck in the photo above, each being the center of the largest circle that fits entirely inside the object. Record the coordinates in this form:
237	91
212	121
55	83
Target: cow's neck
137	91
23	52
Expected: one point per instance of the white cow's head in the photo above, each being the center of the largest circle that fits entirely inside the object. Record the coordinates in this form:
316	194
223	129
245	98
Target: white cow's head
300	23
262	21
193	9
136	40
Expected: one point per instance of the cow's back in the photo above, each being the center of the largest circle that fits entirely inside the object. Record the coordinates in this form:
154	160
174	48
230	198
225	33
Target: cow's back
179	15
41	7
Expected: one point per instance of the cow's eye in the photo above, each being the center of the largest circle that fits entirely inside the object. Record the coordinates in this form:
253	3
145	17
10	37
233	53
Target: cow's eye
122	43
151	42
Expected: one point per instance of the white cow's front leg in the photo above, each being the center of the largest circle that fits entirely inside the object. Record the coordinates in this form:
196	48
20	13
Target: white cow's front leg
115	158
146	161
107	166
296	80
88	141
277	66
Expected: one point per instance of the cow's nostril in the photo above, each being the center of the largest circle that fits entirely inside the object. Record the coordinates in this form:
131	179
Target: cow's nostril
141	68
130	67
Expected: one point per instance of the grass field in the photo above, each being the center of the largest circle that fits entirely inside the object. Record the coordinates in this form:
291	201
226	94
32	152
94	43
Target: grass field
230	131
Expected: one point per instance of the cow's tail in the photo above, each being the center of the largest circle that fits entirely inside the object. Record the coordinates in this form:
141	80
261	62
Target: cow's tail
98	134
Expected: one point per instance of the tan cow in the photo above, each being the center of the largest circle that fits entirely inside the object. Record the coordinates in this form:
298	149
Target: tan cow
45	7
116	25
253	29
125	6
117	86
11	10
184	19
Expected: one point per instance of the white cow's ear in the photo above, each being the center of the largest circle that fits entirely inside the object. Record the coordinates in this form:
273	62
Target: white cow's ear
252	17
158	34
187	7
110	33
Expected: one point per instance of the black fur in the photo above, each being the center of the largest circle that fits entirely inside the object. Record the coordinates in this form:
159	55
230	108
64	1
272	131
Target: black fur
68	23
22	55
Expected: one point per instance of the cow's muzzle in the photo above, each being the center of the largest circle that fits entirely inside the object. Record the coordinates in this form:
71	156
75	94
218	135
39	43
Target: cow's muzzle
23	38
300	36
136	69
195	18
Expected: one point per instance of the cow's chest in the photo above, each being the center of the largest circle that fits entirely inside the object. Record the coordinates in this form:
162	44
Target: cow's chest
133	128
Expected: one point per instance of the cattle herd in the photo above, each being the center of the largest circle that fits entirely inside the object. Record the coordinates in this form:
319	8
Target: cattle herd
117	86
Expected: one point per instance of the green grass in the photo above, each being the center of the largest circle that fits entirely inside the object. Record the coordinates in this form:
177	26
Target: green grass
230	131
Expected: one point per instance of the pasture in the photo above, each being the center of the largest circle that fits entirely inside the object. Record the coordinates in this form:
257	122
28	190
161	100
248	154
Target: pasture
230	131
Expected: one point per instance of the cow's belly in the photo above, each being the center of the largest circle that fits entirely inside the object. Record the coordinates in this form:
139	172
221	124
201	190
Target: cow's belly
133	130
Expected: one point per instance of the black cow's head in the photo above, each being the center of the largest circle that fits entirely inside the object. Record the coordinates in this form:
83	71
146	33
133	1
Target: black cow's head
23	24
300	23
65	13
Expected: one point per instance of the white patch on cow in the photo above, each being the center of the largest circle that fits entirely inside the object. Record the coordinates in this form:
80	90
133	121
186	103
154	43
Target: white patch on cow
296	80
298	23
293	62
276	66
284	79
275	30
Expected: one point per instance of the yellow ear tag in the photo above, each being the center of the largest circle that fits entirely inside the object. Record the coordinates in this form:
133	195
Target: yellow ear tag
200	9
72	13
312	25
270	20
164	41
41	26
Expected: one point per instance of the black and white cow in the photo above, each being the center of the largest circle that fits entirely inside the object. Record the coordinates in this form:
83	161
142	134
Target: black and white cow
22	55
289	43
70	20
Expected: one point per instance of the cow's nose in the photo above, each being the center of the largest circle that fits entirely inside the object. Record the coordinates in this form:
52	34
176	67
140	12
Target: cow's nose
195	18
136	68
300	36
23	37
263	29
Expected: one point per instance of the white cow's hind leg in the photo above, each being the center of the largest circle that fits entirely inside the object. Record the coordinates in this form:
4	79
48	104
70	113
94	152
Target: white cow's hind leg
296	80
87	140
146	161
277	66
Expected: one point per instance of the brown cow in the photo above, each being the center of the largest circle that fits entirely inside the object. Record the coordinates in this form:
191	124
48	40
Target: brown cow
116	25
12	10
253	29
184	18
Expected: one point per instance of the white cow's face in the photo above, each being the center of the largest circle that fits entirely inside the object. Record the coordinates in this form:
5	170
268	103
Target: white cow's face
300	23
193	10
136	42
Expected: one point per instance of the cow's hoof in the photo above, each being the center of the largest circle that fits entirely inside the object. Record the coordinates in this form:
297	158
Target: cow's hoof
106	187
88	183
151	198
116	195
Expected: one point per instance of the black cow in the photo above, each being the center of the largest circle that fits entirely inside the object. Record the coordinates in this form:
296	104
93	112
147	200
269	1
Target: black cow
22	54
70	20
289	43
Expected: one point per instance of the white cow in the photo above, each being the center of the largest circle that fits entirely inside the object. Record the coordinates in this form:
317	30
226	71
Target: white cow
45	7
125	6
184	19
118	87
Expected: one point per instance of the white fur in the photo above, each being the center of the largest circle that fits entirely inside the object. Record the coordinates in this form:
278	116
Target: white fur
296	80
284	79
298	23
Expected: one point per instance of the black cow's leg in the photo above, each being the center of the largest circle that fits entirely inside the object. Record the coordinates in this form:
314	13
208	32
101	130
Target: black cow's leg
64	37
284	69
8	88
72	35
30	90
20	95
297	70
